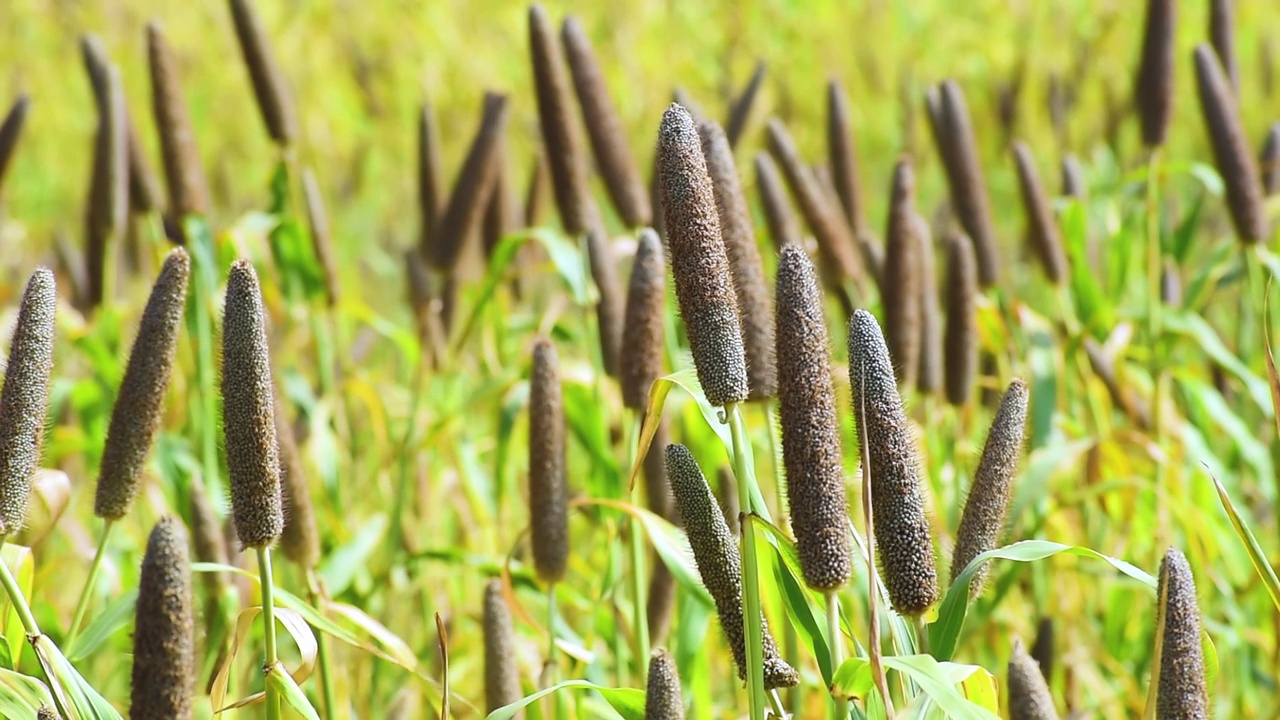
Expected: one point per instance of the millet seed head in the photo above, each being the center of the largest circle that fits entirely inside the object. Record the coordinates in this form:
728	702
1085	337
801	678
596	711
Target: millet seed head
715	551
958	146
984	511
140	403
1073	180
321	236
929	378
207	536
501	675
47	713
248	412
164	674
10	131
430	186
755	310
960	341
843	156
609	308
1042	226
1029	697
657	489
902	537
1153	89
548	493
699	263
1222	34
643	333
663	699
902	275
1231	150
464	212
1270	161
108	202
1042	650
187	190
269	87
24	399
741	107
810	434
784	229
661	602
300	538
561	144
1181	694
144	187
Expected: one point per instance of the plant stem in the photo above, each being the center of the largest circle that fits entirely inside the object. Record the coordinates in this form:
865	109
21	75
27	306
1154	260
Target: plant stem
790	643
836	645
87	591
1155	362
641	615
322	648
15	596
873	644
268	629
753	619
553	672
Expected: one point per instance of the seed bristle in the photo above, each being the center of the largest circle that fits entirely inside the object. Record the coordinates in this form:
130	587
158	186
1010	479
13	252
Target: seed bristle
548	494
164	634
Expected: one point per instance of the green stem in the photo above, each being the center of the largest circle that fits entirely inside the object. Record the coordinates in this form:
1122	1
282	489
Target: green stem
268	629
641	616
836	645
205	286
553	671
19	602
1154	301
322	648
86	592
753	618
790	643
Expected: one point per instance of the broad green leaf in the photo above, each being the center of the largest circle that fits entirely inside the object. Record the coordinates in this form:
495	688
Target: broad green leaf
853	680
20	562
933	679
807	616
111	619
22	695
75	697
1256	555
1197	329
347	561
280	681
628	702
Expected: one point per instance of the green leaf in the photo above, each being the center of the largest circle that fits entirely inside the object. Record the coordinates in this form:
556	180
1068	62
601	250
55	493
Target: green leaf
804	611
1256	555
76	697
1197	329
567	258
19	561
944	633
21	696
112	618
292	694
344	563
628	702
934	680
853	680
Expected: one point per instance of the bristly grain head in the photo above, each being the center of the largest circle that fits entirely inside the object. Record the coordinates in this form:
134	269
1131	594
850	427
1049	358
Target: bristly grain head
741	107
784	229
929	377
699	263
1074	184
958	146
984	511
960	340
269	86
500	211
888	450
184	174
609	308
464	211
548	492
47	713
727	498
657	489
24	399
755	311
108	202
300	538
660	604
1042	226
10	131
248	412
1042	650
810	432
1181	694
715	552
207	536
902	275
1236	162
663	699
835	239
139	405
144	187
1270	161
1153	90
605	131
562	147
535	190
643	332
1222	34
501	675
430	187
843	156
321	237
1029	697
164	672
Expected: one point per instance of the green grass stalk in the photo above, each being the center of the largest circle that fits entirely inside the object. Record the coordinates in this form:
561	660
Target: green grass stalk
268	629
86	592
322	649
752	617
836	645
638	606
790	643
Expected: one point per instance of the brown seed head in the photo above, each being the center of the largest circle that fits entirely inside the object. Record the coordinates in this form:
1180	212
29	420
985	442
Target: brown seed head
727	497
1029	697
47	713
501	676
1222	33
604	128
1073	181
537	187
188	193
144	186
662	697
464	212
929	378
609	308
643	333
300	538
1181	694
984	511
715	551
140	402
24	398
501	216
1042	227
1270	162
10	131
269	87
783	228
843	156
548	493
207	535
1236	162
704	285
1153	93
321	238
960	342
954	136
430	187
740	109
1042	649
661	601
657	489
902	275
810	435
108	203
903	542
835	240
248	412
755	311
561	143
164	673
